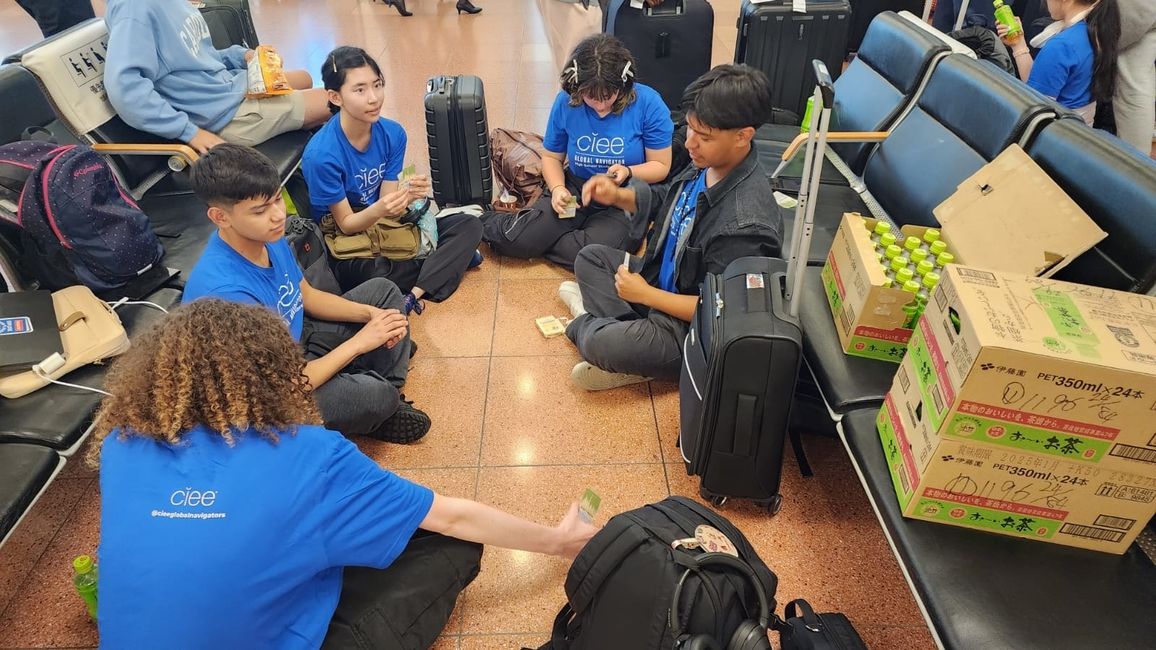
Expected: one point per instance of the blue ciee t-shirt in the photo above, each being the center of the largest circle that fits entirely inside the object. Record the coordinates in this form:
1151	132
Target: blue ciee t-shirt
223	273
1063	68
207	545
592	144
335	170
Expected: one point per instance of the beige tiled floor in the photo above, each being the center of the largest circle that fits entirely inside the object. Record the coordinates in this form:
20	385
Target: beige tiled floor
509	428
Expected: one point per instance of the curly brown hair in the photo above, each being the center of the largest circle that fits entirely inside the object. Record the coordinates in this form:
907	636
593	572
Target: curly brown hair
226	366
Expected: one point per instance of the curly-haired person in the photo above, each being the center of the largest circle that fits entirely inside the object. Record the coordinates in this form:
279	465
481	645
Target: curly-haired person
230	519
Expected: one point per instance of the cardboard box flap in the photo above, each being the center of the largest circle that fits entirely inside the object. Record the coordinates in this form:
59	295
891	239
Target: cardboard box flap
1011	216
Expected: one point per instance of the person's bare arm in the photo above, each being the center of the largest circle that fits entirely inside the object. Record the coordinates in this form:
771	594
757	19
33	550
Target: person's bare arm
382	327
477	522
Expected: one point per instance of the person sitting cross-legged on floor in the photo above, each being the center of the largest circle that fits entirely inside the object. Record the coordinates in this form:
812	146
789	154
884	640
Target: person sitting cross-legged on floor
357	344
630	313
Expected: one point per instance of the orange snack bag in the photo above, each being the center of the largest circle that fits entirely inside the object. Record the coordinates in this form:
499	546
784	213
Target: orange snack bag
266	75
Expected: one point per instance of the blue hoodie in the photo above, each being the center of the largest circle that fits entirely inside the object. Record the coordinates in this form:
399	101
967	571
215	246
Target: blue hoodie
162	72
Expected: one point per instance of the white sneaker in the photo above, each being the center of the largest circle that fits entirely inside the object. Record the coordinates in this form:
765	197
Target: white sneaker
590	377
571	296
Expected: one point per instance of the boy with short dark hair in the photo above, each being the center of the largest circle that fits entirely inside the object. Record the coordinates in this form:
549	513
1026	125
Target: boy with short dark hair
358	344
631	314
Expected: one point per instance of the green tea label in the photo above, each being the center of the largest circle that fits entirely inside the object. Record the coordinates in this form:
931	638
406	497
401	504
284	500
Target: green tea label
1069	323
1039	434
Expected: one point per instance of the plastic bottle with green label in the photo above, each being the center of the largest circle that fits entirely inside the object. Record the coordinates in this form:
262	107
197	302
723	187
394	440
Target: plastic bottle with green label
84	580
929	282
912	309
943	260
1006	17
936	249
930	236
924	267
881	228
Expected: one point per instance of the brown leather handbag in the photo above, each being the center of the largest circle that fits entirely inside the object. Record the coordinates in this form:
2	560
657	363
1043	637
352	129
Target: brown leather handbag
517	162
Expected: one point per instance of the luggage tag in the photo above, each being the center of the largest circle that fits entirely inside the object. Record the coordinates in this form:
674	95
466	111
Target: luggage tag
708	539
588	505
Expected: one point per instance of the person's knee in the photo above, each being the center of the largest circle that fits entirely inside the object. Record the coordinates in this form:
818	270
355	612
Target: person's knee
592	257
381	293
299	79
316	107
470	229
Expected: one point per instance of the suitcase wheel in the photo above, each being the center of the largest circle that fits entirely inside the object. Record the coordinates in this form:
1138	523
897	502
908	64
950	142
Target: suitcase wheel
716	500
773	505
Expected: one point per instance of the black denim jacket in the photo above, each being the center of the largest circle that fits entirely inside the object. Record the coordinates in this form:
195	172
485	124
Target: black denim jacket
738	217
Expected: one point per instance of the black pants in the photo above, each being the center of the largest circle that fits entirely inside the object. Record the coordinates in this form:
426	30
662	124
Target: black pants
406	605
55	16
619	336
539	232
440	274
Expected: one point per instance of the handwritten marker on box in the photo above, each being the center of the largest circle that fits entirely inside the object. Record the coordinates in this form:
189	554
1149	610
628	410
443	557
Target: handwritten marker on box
588	505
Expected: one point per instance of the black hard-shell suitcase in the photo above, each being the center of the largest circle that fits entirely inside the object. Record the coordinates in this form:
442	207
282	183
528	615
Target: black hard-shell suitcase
671	43
782	43
864	11
459	140
740	364
230	23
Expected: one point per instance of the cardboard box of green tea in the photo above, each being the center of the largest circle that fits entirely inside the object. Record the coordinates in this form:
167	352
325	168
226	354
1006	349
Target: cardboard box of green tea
1025	406
1009	216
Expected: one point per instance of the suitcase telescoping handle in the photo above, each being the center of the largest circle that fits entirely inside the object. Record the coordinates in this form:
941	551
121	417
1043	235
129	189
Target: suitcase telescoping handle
824	100
667	8
958	19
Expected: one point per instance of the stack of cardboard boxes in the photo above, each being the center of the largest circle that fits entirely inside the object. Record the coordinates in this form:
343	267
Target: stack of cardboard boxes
1022	405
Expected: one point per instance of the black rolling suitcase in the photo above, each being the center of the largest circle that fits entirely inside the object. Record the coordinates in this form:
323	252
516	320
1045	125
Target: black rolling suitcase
459	140
671	43
230	23
742	353
782	43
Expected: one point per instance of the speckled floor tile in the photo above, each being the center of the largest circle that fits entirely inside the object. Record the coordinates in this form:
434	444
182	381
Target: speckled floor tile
535	416
453	392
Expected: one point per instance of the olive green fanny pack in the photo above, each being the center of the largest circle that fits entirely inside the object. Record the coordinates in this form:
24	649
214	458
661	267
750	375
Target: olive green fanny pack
389	238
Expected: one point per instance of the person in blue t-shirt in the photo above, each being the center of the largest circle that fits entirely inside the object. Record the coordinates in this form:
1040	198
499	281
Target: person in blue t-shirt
358	343
164	77
231	519
352	166
1076	64
601	123
631	313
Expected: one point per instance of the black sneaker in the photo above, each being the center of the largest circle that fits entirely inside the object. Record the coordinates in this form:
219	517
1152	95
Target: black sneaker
412	348
408	424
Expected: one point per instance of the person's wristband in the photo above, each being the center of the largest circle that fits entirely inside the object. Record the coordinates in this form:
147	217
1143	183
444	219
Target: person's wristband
556	187
629	174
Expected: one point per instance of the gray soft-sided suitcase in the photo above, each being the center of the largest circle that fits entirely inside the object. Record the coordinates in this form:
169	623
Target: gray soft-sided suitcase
230	23
671	43
782	43
459	140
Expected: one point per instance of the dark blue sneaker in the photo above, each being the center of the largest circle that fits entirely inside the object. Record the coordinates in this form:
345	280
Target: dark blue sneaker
475	261
413	305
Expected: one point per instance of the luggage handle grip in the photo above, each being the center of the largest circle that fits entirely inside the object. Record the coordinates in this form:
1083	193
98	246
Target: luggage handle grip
823	80
666	8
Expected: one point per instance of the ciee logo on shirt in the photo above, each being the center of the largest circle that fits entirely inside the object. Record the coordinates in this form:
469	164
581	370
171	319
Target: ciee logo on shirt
193	498
601	146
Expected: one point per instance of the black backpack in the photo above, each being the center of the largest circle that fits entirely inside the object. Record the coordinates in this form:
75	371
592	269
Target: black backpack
75	224
622	586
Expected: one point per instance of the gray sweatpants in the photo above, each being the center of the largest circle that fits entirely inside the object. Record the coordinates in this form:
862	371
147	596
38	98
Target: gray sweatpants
1135	100
361	397
616	335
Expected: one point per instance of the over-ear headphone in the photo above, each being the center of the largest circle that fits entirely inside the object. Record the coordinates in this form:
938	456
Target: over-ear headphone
749	635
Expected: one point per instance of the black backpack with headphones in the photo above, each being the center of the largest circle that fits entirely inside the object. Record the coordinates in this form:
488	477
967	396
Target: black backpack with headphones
658	577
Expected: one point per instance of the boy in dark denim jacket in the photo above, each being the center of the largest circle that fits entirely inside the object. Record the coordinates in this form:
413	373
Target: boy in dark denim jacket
631	313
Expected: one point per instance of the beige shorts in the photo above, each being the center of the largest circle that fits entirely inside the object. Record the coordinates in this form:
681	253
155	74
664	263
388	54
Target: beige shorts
258	120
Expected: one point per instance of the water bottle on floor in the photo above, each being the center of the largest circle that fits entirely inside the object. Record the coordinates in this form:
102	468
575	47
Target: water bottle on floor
84	580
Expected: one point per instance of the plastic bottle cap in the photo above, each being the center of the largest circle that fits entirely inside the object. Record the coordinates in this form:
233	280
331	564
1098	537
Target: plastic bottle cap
938	247
931	280
900	262
931	235
912	286
944	259
82	563
882	228
903	275
925	267
918	255
887	239
911	244
892	252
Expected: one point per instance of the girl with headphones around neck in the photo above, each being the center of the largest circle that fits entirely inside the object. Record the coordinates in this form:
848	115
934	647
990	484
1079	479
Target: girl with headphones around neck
1076	64
601	123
